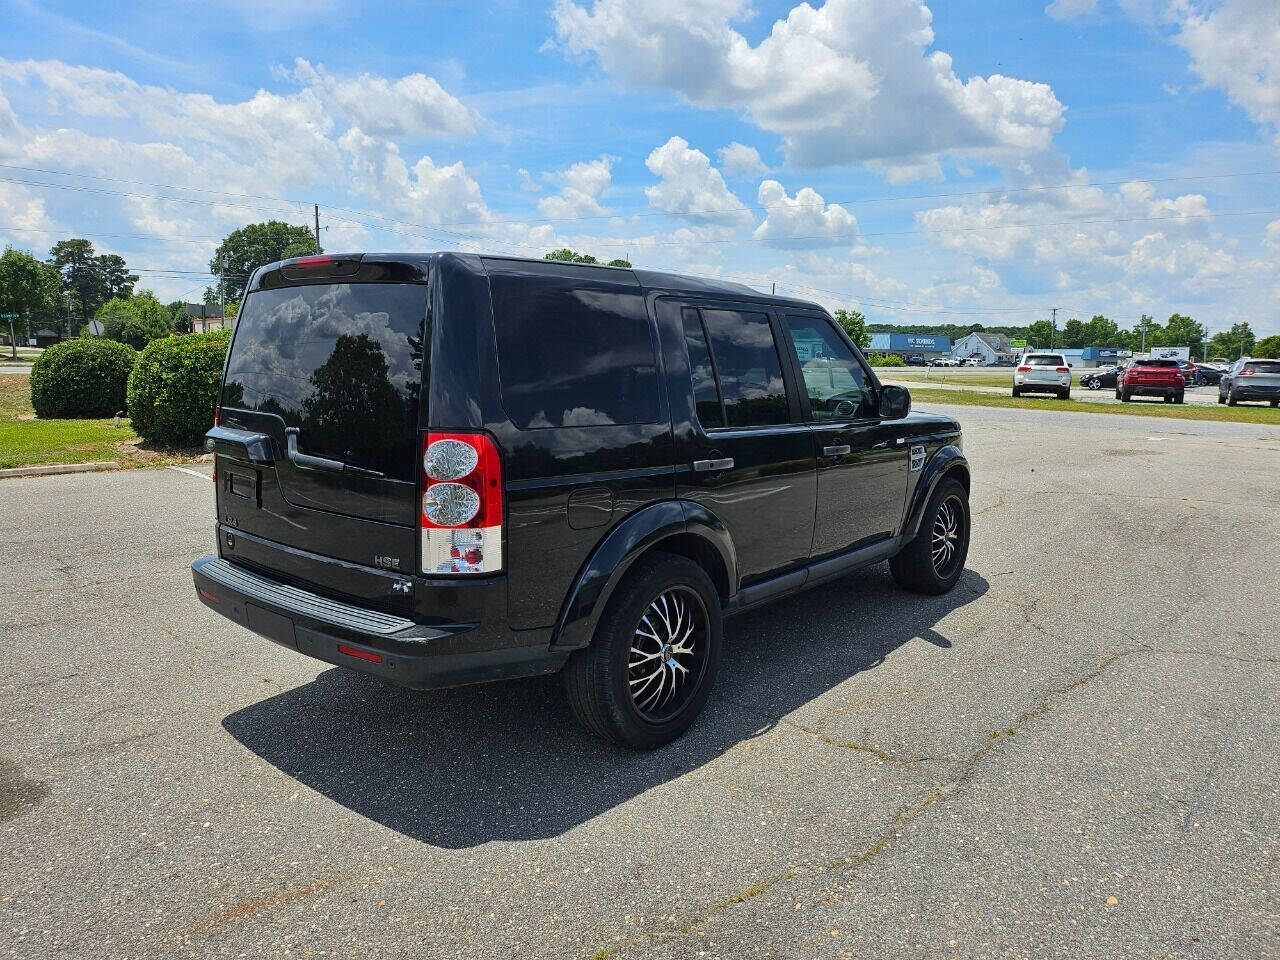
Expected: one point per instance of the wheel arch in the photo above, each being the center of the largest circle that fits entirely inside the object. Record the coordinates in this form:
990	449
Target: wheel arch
949	461
672	526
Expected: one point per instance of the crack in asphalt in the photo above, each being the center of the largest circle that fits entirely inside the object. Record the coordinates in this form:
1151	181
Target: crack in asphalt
900	821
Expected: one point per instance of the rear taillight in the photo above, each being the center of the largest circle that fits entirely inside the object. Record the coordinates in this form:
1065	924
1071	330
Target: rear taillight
1064	369
214	475
1247	372
461	508
1024	369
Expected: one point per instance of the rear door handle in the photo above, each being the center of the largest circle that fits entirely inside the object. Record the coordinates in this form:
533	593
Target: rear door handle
712	466
839	450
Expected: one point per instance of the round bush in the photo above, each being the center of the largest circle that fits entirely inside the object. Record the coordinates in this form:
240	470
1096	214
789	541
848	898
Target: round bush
886	360
81	378
173	390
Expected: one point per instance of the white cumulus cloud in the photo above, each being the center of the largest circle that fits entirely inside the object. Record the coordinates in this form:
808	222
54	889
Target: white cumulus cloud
583	185
737	159
850	80
802	221
690	185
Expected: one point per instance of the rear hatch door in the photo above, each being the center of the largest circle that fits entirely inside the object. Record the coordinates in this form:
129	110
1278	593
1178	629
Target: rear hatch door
331	373
1261	374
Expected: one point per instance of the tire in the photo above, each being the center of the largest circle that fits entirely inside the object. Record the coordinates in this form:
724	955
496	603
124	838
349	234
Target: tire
1221	398
1168	398
1094	384
1064	395
1017	392
1118	393
1231	398
914	568
1125	396
1275	403
1179	397
598	680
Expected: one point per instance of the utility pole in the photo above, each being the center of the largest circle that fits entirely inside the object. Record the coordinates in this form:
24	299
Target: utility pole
1053	325
222	291
317	207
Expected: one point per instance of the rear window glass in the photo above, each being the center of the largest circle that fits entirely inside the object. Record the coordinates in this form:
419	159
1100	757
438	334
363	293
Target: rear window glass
1155	363
571	354
1259	367
343	362
747	364
1044	360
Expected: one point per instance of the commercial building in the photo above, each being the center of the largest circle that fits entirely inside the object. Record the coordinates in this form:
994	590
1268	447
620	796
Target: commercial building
987	347
904	343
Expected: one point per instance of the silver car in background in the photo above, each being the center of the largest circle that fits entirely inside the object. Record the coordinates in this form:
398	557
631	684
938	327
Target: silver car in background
1250	379
1043	373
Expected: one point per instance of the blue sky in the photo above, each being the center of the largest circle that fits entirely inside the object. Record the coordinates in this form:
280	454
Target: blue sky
962	162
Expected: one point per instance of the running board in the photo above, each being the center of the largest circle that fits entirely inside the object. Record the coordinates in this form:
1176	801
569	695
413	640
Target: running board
813	574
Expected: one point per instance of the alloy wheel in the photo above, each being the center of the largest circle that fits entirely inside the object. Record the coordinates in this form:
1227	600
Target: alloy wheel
668	655
947	531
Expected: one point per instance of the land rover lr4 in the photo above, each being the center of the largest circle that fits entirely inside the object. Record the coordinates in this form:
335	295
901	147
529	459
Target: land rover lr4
448	468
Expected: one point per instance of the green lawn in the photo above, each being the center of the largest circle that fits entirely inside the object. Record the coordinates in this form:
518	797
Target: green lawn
26	441
971	377
1168	411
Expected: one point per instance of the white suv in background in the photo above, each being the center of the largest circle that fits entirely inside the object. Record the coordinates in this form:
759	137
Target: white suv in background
1043	373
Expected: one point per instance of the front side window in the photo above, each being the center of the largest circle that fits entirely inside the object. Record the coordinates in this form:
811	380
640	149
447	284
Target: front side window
572	353
837	385
746	362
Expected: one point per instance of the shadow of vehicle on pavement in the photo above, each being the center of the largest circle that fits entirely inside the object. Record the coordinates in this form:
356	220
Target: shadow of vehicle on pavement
505	761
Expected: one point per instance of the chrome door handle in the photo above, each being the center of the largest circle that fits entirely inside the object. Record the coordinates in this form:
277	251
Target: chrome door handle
712	466
839	450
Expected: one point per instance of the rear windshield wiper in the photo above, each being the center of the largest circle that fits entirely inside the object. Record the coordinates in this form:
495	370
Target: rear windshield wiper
308	462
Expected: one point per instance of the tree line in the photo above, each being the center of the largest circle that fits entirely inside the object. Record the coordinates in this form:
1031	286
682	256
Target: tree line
1100	331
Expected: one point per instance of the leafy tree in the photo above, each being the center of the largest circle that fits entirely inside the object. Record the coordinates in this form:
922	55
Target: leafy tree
1040	334
135	321
179	319
1267	347
570	256
82	282
855	325
1073	334
27	288
1102	332
1236	342
253	245
618	263
1181	331
117	281
1143	334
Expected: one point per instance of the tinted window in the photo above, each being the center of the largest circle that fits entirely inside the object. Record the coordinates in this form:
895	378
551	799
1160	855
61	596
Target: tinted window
1044	360
746	361
837	386
573	354
706	395
1258	366
343	362
1155	363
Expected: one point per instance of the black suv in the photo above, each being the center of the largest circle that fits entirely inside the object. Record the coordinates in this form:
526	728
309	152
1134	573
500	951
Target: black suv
449	468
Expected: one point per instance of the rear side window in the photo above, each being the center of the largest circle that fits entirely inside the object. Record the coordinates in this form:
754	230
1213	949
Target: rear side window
343	362
573	354
706	396
1258	366
746	361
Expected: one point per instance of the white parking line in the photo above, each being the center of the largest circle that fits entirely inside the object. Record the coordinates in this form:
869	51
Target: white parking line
194	473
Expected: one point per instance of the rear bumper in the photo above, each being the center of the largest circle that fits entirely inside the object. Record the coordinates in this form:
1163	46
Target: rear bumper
1153	390
372	641
1257	393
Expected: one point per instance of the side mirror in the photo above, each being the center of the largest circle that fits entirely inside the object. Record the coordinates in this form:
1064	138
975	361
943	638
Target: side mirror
895	402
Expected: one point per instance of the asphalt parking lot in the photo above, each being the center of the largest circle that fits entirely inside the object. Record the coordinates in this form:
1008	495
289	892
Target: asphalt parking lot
1073	754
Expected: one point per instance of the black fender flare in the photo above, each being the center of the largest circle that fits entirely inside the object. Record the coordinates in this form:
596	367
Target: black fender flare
614	555
946	461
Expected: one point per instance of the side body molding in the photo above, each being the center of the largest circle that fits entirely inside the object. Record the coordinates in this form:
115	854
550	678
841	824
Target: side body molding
615	554
945	461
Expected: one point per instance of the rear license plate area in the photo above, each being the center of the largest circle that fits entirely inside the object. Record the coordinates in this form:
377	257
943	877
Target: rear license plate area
244	485
271	625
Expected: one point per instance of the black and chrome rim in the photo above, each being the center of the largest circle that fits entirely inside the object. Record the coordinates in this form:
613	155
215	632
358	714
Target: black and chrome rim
948	528
668	654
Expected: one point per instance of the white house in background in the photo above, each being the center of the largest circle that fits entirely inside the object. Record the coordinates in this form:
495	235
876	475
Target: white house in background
988	347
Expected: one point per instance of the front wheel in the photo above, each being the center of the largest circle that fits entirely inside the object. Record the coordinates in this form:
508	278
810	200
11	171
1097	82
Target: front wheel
934	559
649	669
1094	384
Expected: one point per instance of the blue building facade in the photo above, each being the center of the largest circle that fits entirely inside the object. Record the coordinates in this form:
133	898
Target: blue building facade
901	343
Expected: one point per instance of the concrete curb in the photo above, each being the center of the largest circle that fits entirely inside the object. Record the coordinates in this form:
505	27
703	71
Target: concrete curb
54	468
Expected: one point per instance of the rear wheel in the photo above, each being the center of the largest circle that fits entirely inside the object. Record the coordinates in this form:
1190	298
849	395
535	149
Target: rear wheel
1064	394
1125	396
1179	397
1221	398
1094	384
1231	398
1017	392
1275	403
934	559
650	667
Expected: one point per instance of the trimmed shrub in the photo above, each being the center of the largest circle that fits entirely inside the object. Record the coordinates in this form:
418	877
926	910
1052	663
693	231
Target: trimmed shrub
81	378
886	360
173	390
